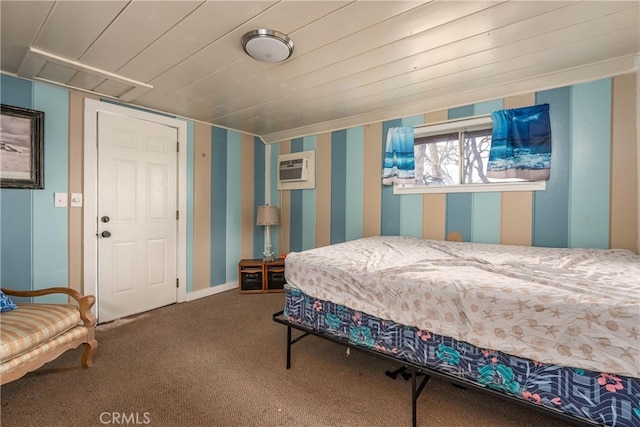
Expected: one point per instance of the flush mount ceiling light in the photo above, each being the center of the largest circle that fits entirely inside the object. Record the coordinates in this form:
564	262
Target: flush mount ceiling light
267	45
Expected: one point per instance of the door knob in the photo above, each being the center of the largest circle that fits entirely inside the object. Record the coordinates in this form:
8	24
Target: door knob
104	219
105	234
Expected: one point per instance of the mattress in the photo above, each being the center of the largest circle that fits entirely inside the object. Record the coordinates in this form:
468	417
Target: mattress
595	396
576	308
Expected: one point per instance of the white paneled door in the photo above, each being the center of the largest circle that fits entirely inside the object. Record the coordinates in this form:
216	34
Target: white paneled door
137	226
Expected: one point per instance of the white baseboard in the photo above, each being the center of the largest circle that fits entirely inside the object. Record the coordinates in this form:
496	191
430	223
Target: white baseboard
211	291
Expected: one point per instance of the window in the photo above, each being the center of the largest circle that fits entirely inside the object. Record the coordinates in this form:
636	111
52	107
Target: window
453	157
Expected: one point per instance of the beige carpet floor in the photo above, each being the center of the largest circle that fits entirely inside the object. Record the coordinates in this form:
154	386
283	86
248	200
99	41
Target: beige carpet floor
220	361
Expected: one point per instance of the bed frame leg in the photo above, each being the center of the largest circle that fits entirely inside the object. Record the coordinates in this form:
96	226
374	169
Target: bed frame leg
414	398
290	341
415	392
288	347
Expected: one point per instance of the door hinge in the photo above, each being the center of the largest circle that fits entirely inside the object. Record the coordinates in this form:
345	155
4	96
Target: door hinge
177	214
177	147
177	283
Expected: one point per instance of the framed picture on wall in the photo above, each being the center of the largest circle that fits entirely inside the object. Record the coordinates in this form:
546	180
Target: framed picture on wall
21	148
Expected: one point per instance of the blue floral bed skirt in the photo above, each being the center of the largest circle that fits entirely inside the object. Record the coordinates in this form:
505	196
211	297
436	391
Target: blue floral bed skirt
610	400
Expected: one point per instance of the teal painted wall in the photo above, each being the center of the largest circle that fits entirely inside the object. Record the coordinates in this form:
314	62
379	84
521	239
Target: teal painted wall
296	212
572	212
338	187
551	207
218	206
33	241
227	161
303	205
485	215
259	155
308	203
353	183
411	204
16	206
590	165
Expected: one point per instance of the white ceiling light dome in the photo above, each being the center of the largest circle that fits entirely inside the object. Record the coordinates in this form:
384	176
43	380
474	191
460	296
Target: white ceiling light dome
267	45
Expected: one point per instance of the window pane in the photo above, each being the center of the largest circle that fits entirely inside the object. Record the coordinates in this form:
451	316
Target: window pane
476	155
438	160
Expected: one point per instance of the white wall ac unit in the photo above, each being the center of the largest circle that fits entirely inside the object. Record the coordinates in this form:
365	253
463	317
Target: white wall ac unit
293	170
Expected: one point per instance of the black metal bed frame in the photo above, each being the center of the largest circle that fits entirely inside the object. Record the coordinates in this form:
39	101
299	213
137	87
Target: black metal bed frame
415	371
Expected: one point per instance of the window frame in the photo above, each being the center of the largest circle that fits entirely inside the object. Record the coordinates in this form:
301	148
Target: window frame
467	124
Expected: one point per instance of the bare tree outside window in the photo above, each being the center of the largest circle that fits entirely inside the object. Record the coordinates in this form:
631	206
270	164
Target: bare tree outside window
477	145
438	160
441	160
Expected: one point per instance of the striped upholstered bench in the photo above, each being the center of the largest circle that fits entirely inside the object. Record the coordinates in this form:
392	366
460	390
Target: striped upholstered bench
37	333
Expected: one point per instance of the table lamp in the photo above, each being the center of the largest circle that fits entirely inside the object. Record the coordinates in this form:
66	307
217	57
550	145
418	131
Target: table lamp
267	216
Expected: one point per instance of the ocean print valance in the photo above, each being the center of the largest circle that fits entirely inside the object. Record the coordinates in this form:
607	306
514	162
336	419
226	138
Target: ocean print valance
521	144
399	162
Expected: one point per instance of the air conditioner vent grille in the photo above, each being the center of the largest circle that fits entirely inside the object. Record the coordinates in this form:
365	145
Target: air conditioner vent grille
293	170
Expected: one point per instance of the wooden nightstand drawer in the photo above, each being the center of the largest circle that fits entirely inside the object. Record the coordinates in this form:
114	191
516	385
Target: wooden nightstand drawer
255	276
275	278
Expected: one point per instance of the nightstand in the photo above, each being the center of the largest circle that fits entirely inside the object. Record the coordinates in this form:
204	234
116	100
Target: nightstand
257	276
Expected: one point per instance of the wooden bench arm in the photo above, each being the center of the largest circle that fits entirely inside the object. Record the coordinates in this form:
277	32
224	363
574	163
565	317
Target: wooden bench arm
85	302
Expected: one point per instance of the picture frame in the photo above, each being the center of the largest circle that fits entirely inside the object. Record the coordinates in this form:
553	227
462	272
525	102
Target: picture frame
21	148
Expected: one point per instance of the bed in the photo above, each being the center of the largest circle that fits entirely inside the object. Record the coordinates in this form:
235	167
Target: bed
557	329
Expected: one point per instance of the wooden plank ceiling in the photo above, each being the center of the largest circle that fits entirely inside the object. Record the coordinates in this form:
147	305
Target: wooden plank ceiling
354	62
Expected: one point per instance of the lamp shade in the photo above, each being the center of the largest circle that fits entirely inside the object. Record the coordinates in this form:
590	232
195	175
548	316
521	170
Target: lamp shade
267	215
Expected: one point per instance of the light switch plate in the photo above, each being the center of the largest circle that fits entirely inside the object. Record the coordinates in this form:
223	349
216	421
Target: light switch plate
76	200
60	200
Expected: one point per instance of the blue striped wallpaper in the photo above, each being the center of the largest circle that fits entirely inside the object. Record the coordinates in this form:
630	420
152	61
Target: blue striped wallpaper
354	171
551	207
50	226
274	151
590	165
302	221
459	214
485	217
572	211
233	204
460	205
15	239
295	219
309	202
258	194
338	186
16	206
218	206
34	239
411	204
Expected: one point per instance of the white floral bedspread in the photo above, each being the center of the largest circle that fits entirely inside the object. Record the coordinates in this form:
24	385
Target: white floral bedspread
569	307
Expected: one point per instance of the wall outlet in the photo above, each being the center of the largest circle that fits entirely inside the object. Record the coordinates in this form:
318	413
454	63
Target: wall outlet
60	200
